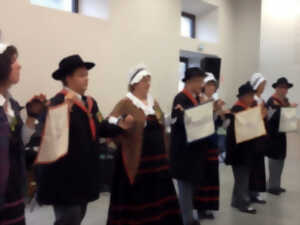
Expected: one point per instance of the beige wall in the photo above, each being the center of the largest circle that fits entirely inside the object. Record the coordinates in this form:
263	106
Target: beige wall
248	20
136	31
280	45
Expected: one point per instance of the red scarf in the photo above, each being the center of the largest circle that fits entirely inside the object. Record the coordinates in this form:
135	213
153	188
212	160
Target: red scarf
278	100
190	96
243	105
88	111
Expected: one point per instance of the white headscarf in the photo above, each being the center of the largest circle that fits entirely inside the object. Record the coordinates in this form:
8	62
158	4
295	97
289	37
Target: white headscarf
3	47
209	77
256	80
138	73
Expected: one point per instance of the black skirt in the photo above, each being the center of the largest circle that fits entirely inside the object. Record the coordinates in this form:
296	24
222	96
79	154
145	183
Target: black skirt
206	194
13	211
151	199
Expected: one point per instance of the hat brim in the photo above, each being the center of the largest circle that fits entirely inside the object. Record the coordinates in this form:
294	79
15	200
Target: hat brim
59	74
275	85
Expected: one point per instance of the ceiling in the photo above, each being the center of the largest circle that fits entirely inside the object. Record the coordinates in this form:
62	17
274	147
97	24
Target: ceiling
196	7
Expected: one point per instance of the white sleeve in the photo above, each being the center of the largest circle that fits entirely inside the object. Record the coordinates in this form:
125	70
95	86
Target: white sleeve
113	120
27	132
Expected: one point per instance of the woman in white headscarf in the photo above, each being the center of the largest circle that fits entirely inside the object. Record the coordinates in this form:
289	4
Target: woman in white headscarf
258	175
142	190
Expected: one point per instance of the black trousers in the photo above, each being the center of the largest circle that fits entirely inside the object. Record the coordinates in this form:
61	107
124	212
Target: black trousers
241	192
70	214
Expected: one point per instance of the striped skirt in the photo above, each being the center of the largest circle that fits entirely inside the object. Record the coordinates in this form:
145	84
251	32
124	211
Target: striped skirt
206	195
151	200
13	210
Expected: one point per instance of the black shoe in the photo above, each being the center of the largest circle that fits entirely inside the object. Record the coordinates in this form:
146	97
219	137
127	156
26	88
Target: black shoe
274	191
249	210
258	200
206	215
282	190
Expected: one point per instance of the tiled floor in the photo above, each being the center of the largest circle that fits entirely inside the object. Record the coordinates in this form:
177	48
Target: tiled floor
283	210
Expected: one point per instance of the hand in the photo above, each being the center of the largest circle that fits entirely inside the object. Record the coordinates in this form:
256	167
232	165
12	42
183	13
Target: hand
295	105
218	105
36	106
264	111
179	107
127	123
70	99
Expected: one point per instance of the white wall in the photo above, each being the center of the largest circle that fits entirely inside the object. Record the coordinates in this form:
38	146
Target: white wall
136	31
207	26
94	8
279	53
247	37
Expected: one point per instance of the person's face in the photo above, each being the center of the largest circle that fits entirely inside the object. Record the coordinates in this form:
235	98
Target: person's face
210	88
143	86
78	81
196	84
282	90
14	75
261	88
248	99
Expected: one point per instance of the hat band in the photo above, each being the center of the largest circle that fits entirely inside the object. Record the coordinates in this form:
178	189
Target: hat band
257	82
138	76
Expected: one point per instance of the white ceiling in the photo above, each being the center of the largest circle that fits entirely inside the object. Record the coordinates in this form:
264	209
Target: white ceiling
193	55
196	7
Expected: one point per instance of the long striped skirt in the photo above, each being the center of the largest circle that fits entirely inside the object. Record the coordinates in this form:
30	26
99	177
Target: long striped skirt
206	194
13	210
151	200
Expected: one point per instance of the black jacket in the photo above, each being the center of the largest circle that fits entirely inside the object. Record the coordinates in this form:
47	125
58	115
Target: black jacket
278	141
75	178
187	159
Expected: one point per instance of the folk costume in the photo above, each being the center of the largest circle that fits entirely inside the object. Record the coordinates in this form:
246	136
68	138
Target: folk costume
70	183
142	191
278	141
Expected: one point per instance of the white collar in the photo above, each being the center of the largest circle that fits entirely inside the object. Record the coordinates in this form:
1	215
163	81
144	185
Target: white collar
259	100
79	96
2	100
148	109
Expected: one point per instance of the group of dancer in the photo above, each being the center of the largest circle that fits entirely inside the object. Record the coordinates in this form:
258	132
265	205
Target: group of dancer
143	191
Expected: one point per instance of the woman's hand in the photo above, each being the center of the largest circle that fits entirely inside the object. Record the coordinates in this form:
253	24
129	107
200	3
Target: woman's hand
295	105
264	111
179	107
36	106
127	122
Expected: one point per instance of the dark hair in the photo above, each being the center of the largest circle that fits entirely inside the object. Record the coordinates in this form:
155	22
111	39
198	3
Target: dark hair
193	72
5	62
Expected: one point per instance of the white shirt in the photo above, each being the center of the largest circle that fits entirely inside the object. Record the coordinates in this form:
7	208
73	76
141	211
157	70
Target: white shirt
79	96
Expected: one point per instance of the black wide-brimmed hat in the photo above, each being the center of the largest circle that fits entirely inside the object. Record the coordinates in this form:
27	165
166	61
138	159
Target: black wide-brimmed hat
69	64
245	89
282	81
193	72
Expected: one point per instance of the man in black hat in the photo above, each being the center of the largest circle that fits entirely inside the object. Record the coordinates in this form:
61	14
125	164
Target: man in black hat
186	158
71	182
241	156
278	141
